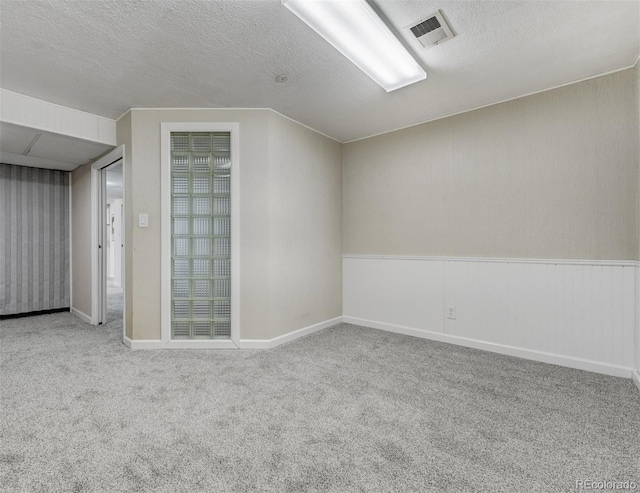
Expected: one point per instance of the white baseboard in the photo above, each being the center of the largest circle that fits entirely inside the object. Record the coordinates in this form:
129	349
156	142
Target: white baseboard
142	343
199	344
82	316
296	334
635	375
554	359
242	343
253	343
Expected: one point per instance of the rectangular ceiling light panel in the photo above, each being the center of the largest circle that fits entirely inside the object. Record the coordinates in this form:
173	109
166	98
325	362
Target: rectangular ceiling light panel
355	30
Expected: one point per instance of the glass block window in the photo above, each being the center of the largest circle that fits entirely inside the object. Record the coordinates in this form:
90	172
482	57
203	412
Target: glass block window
201	235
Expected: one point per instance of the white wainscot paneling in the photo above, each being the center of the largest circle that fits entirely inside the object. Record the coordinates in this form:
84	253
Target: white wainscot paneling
577	314
405	293
576	311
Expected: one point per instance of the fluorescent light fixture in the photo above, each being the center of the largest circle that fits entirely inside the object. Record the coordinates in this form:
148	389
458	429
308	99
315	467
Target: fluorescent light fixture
356	31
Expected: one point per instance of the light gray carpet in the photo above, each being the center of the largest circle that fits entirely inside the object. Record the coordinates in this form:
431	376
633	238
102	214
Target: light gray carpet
346	409
115	301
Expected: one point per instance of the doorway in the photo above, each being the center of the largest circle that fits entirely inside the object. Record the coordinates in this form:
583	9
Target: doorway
113	242
108	271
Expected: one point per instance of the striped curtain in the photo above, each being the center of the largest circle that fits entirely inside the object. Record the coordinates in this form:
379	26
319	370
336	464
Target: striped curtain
34	239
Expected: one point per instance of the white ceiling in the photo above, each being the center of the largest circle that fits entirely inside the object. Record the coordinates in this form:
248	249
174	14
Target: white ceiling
110	55
29	147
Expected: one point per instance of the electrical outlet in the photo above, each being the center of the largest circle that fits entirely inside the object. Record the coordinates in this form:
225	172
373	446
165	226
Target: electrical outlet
451	312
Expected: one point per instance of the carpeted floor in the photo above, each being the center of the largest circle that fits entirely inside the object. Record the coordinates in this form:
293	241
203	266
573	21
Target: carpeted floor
346	409
115	301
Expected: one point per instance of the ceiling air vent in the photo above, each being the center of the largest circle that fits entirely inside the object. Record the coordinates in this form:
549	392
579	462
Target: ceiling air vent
432	30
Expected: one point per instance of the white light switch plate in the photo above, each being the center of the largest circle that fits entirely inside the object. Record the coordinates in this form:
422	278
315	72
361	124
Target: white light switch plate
143	220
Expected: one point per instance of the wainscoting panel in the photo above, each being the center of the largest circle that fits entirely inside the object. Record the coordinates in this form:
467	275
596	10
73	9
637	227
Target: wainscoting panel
582	312
400	292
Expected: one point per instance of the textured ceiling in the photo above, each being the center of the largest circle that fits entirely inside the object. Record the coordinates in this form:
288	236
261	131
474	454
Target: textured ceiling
107	56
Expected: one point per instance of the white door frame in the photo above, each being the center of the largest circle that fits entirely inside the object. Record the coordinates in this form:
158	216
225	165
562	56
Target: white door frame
165	230
98	248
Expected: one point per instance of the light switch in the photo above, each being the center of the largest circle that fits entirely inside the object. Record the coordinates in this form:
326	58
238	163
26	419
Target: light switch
143	220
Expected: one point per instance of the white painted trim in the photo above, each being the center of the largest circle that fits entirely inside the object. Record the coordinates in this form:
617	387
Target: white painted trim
199	344
142	343
82	316
234	109
186	108
291	336
635	375
228	344
123	241
306	126
95	257
608	263
30	112
554	359
448	115
254	343
123	114
165	229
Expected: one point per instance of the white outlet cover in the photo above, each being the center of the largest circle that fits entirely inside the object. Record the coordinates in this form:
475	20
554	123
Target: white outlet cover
451	312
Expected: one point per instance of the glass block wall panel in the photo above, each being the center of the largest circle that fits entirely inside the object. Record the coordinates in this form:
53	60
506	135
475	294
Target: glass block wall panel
202	163
180	206
222	184
181	288
222	226
201	206
223	247
202	309
201	226
180	162
180	246
201	247
202	288
222	330
201	235
202	330
181	330
180	184
221	267
201	184
222	288
222	205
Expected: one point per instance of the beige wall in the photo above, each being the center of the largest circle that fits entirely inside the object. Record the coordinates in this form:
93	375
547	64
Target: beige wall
547	176
81	239
305	214
260	195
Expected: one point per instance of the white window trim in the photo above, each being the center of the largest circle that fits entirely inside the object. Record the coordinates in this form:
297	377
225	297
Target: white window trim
165	231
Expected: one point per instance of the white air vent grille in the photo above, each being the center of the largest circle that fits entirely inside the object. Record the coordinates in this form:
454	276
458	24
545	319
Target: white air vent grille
431	30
